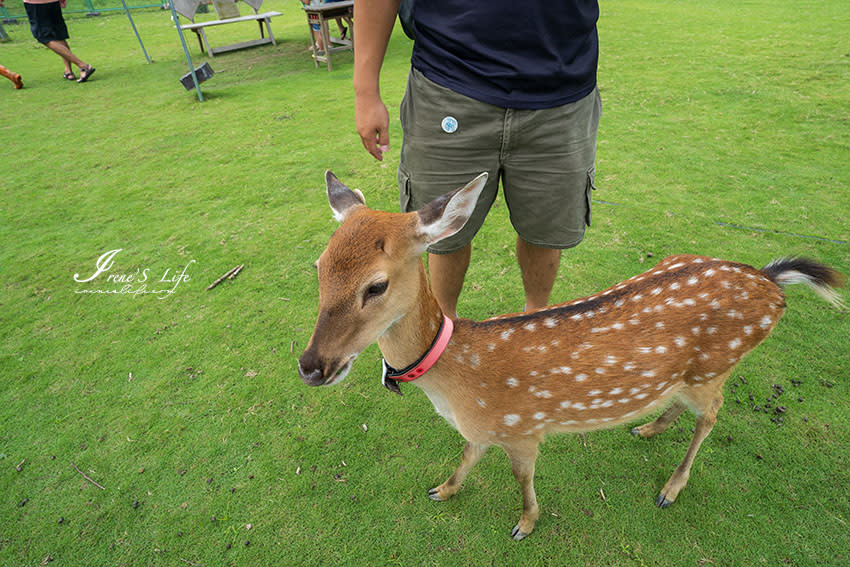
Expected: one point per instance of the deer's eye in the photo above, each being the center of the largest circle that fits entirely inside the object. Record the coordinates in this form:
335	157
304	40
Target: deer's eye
375	290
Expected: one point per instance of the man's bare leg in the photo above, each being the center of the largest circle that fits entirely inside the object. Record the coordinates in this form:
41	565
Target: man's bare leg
539	267
63	50
447	272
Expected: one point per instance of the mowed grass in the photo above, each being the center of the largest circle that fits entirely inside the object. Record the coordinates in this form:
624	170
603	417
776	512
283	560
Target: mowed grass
725	132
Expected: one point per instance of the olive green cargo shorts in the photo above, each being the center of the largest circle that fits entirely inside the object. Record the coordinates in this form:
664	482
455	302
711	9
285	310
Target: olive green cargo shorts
543	158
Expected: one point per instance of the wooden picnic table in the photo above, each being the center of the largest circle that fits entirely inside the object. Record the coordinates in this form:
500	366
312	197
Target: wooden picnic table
320	14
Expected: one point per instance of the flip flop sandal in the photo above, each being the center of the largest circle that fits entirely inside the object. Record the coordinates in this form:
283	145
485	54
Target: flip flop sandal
85	74
69	76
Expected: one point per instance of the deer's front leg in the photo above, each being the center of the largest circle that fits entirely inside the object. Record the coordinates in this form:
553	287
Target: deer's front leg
472	453
522	464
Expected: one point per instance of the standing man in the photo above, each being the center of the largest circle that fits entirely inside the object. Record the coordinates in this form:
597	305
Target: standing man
502	86
48	28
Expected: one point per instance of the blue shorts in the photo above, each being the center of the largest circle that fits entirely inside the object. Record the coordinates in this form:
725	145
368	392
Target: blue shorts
46	22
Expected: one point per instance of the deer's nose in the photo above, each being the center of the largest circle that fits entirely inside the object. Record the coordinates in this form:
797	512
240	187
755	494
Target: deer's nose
310	370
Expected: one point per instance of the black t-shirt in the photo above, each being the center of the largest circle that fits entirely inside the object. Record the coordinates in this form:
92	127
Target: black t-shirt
515	54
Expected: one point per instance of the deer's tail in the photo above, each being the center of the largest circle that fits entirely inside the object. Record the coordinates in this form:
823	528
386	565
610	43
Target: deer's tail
822	279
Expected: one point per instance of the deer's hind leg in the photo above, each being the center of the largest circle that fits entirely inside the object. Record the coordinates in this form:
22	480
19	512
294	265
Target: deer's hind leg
704	400
662	422
472	453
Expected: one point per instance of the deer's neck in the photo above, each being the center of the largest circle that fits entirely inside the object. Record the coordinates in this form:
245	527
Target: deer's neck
411	336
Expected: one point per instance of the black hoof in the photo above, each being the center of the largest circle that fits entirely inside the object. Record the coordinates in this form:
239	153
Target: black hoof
662	501
635	431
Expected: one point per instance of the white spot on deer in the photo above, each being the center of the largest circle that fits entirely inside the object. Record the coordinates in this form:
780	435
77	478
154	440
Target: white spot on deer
660	349
581	377
637	297
589	313
569	422
619	302
704	356
607	404
734	343
710	272
647	309
634	391
648	374
565	404
615	391
660	385
617	326
539	415
726	284
610	359
731	313
765	322
481	402
491	347
644	350
512	382
634	321
533	373
530	327
629	366
711	330
689	302
624	400
576	317
748	330
695	330
550	322
511	419
698	260
656	291
693	280
679	341
555	343
641	396
667	390
630	414
546	394
703	316
474	361
594	393
600	329
506	334
659	325
675	285
599	370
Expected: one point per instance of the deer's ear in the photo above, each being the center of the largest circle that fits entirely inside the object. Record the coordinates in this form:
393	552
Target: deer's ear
446	215
341	198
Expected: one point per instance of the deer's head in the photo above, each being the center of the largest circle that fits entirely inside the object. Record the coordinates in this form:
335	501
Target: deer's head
369	274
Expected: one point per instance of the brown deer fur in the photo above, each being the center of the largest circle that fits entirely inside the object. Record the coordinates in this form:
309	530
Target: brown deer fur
666	337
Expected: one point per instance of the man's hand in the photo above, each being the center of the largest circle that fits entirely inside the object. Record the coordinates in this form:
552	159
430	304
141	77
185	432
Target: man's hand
372	119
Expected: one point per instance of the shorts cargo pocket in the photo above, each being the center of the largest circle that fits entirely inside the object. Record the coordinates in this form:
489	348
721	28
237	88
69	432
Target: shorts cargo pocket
591	174
404	190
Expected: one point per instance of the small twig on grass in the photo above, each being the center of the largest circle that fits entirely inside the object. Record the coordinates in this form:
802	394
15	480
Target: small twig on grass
236	271
190	563
88	478
222	278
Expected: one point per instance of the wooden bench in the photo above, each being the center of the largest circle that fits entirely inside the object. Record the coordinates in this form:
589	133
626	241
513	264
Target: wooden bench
228	13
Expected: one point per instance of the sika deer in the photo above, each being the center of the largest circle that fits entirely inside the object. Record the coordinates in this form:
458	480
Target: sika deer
672	334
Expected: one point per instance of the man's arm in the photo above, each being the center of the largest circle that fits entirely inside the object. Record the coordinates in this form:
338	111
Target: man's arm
373	24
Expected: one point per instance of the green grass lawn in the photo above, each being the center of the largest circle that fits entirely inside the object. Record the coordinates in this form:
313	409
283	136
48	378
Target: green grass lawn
726	132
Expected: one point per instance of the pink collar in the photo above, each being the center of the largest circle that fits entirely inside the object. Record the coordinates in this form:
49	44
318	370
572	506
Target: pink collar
390	376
